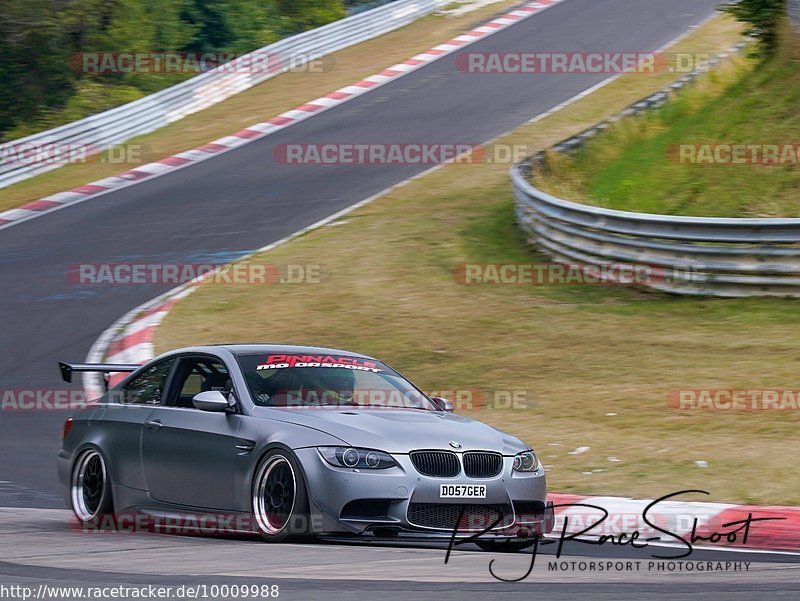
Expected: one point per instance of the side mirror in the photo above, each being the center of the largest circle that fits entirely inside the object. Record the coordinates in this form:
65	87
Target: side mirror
212	400
444	404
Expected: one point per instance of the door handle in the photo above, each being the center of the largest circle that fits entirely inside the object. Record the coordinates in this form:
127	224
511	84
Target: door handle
153	424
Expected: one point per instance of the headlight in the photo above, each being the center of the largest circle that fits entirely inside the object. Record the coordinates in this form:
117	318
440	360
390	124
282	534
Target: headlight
526	462
357	458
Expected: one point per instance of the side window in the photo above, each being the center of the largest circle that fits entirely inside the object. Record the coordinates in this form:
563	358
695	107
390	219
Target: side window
200	375
147	388
193	384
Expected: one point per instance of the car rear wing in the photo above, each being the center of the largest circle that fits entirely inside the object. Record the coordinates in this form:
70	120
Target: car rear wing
67	369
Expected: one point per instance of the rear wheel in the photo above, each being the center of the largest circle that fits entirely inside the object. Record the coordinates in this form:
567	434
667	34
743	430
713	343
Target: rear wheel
90	488
280	501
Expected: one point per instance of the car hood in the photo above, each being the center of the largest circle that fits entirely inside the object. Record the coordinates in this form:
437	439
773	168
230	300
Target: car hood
399	430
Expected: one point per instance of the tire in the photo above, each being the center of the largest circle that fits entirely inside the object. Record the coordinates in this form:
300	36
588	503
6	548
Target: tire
90	488
280	500
504	545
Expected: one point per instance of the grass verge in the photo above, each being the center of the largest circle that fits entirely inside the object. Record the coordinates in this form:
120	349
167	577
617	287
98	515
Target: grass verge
601	360
637	165
257	104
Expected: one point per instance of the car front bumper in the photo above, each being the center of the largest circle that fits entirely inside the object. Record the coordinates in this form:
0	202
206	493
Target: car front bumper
401	502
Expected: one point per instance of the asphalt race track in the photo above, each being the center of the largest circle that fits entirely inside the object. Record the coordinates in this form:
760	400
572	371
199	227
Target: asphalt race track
48	553
240	201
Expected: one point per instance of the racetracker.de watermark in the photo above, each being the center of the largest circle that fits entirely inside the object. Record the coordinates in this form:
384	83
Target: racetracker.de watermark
463	399
735	153
143	591
389	153
188	524
542	274
257	63
182	273
577	63
44	399
66	153
733	399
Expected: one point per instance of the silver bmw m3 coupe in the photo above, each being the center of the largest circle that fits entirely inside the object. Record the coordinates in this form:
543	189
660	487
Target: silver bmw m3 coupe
303	441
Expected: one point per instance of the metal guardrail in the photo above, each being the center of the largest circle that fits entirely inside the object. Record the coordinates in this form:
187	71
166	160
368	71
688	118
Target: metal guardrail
793	10
729	257
682	255
104	130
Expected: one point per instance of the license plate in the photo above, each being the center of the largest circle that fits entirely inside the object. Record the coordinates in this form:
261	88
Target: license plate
462	491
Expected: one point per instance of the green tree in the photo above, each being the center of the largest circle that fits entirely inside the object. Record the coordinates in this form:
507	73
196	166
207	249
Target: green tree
764	18
137	26
34	65
301	15
231	25
41	81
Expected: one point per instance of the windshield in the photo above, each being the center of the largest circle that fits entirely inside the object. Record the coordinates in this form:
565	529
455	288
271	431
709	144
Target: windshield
279	380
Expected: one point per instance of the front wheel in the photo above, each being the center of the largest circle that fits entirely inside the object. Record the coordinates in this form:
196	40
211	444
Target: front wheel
90	488
280	501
